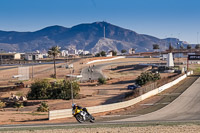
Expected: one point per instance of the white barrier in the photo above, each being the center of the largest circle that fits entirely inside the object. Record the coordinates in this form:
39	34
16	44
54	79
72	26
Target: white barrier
56	114
115	58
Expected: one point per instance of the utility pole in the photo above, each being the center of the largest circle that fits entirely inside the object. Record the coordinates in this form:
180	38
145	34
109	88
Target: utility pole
32	71
72	95
104	32
1	57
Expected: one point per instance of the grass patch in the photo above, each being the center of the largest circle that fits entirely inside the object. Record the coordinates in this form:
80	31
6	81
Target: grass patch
197	70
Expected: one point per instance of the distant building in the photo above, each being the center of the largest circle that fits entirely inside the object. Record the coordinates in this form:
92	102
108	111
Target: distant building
110	54
131	51
10	56
33	56
82	52
72	51
64	53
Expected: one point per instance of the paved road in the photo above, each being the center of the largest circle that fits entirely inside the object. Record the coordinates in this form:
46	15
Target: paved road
96	72
185	108
30	64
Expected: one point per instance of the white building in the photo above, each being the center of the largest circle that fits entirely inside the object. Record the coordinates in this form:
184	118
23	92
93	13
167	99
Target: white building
131	51
33	56
10	56
72	51
110	54
64	53
83	52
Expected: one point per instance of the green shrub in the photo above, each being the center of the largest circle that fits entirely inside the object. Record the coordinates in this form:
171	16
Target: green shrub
56	90
97	55
43	107
39	90
102	80
18	105
146	77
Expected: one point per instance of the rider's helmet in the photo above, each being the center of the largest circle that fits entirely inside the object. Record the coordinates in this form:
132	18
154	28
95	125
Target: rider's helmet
74	105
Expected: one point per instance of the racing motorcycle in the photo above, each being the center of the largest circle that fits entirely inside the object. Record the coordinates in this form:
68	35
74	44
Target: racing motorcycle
82	115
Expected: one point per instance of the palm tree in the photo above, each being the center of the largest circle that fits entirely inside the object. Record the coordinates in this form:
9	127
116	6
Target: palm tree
54	51
171	48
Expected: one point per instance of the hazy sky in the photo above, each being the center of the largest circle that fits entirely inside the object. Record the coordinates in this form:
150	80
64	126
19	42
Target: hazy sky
159	18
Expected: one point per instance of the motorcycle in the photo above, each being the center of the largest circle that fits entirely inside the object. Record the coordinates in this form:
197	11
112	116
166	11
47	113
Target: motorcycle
82	115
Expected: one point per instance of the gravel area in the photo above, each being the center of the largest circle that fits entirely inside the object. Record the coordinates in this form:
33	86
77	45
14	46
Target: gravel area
146	129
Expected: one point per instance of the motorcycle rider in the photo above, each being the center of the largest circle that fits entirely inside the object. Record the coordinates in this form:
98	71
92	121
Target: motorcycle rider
77	107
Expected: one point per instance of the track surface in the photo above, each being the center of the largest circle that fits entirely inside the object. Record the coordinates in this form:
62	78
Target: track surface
96	72
185	108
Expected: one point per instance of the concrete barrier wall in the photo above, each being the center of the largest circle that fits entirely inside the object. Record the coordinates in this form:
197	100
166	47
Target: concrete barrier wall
115	58
56	114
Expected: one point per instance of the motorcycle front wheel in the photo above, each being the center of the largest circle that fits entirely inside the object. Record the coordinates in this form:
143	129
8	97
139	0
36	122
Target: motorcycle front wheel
79	118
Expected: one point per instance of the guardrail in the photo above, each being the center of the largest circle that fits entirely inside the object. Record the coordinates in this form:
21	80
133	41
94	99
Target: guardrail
64	113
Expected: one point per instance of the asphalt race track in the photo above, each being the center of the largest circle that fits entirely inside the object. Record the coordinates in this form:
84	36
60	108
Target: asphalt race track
95	72
185	108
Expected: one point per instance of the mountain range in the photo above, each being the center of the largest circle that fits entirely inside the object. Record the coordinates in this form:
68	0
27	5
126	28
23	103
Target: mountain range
88	37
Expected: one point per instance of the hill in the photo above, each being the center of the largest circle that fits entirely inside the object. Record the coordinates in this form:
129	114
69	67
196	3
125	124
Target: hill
83	36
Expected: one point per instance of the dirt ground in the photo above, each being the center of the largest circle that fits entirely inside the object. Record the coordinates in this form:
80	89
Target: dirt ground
94	94
187	128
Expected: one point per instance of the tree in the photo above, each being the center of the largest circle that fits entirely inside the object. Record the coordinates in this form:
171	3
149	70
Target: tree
54	51
103	53
39	90
156	46
123	51
171	48
189	46
197	46
97	55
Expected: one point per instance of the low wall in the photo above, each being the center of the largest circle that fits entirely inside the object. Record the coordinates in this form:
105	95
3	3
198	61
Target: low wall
115	58
64	113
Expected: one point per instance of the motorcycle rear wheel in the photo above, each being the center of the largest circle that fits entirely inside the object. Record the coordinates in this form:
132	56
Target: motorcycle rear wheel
91	118
79	118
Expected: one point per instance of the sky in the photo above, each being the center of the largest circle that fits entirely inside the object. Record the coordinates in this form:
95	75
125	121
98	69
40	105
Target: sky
159	18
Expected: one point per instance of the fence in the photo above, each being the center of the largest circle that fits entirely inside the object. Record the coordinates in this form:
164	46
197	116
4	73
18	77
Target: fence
56	114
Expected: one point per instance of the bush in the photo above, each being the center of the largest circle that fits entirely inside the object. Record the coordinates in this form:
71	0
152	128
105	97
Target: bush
39	90
102	80
97	55
2	105
44	107
146	77
18	105
56	90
